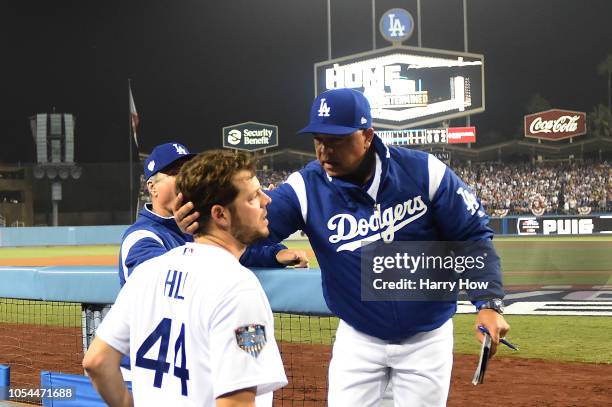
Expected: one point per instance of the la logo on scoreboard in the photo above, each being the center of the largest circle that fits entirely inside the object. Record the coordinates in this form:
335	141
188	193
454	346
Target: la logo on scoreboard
396	25
409	86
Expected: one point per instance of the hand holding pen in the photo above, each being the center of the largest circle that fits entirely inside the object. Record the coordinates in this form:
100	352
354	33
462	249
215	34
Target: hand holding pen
484	330
497	327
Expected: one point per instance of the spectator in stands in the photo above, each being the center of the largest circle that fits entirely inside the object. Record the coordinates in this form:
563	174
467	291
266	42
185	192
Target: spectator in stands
561	187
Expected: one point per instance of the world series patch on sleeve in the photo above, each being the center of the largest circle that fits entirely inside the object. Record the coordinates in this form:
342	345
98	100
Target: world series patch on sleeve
251	338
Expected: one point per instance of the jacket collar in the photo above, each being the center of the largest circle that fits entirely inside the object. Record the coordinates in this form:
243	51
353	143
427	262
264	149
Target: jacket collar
381	166
383	156
166	221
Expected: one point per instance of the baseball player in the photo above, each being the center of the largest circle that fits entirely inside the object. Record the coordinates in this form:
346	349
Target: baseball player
357	191
155	231
196	324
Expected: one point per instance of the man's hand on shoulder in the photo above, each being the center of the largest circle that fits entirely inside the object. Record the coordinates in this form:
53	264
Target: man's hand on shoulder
184	217
296	258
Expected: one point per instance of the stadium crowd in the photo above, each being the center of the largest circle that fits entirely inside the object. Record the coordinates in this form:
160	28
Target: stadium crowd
558	187
270	179
522	188
518	188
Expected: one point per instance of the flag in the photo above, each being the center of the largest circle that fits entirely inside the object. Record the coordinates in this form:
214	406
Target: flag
134	117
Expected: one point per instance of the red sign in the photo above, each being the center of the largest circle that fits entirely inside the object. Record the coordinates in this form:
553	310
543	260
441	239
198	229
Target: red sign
461	135
555	124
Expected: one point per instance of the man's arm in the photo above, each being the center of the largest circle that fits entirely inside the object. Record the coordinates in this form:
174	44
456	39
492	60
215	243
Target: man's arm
241	333
277	255
460	217
136	248
288	211
295	258
239	398
286	215
101	363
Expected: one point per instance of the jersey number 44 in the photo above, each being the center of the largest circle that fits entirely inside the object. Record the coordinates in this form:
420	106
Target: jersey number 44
159	365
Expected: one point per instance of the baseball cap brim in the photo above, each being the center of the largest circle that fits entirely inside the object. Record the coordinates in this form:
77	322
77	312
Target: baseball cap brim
321	128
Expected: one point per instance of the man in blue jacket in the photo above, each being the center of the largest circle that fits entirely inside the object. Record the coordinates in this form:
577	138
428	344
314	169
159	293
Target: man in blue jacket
155	231
360	191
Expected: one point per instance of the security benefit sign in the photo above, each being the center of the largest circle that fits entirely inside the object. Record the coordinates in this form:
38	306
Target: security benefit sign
407	86
250	136
555	124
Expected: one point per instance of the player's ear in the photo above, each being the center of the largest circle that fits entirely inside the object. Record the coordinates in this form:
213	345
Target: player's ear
220	216
369	136
151	187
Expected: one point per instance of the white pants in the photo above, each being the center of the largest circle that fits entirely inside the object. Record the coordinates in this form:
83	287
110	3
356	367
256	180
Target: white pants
419	368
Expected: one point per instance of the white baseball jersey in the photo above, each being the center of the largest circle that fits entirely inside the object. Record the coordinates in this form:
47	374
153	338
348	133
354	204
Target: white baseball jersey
196	325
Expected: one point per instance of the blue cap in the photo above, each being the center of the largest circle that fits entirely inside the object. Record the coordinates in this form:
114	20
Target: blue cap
162	156
339	112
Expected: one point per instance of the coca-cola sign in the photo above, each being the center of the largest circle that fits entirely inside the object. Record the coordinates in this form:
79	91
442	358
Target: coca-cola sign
555	124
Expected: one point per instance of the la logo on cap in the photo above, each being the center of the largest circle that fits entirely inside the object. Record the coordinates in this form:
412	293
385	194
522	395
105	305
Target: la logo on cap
151	165
324	109
180	149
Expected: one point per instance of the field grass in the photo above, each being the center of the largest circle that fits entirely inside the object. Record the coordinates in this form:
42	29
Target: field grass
563	338
51	313
58	251
305	329
567	338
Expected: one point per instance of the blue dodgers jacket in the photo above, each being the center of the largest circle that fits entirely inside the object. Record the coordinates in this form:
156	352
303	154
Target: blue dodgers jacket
153	235
414	197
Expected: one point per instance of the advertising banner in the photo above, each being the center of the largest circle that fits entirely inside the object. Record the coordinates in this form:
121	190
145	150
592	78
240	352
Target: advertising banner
561	225
555	124
250	136
461	135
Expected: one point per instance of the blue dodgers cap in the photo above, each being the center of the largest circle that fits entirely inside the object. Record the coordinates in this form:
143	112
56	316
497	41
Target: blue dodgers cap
339	112
162	156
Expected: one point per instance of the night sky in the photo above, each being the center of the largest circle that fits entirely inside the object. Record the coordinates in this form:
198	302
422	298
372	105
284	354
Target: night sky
197	66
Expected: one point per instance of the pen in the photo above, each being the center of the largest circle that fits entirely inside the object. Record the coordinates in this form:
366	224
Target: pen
502	340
